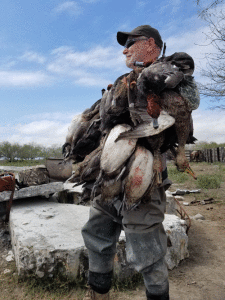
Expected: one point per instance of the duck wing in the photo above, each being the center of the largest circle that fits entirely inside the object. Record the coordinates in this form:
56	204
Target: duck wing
146	128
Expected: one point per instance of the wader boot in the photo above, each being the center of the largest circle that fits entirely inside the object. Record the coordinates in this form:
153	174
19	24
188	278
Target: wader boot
164	296
92	295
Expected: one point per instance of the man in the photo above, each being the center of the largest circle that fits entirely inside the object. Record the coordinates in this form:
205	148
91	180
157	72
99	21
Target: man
146	241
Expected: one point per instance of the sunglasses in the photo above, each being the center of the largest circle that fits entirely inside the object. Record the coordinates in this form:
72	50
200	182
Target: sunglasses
130	42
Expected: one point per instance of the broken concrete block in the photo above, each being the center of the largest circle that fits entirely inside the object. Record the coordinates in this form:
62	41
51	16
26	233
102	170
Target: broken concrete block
44	190
176	231
36	175
69	194
46	238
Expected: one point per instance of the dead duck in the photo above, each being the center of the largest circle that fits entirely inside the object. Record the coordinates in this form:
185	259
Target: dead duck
88	169
114	106
160	84
79	126
89	141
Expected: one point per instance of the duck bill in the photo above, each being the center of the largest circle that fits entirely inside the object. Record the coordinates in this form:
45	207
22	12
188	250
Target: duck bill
191	172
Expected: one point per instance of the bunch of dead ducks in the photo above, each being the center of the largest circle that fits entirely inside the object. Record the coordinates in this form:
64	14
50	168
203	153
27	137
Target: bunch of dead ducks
118	132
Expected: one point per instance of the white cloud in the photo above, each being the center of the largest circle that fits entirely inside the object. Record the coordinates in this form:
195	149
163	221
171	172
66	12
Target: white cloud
92	81
97	66
173	6
33	57
23	78
70	7
209	125
44	129
94	67
195	44
66	59
50	129
7	64
100	65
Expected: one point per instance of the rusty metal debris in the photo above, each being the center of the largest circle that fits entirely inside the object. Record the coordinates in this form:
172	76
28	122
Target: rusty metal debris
179	192
183	215
8	183
202	202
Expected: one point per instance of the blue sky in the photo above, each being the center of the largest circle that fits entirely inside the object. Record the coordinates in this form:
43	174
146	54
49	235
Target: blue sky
57	55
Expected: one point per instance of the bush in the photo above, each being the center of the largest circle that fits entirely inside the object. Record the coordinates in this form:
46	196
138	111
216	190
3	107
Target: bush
177	176
209	181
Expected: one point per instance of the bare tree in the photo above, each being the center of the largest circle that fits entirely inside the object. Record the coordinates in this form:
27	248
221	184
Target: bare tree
209	6
214	16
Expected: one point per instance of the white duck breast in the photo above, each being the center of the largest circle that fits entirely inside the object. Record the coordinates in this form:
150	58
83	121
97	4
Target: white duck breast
115	154
140	175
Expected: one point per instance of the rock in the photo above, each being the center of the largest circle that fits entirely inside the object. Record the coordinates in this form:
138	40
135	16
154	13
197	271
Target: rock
69	194
36	175
13	169
10	256
46	238
44	190
198	217
73	192
6	271
186	203
176	231
179	198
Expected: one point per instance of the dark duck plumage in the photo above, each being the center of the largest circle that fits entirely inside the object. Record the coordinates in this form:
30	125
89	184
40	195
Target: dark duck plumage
166	86
83	134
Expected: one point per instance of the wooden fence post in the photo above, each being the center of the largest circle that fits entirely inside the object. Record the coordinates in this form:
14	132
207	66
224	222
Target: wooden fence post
222	154
211	155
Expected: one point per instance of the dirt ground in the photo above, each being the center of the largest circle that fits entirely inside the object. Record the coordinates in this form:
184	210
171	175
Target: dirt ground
199	277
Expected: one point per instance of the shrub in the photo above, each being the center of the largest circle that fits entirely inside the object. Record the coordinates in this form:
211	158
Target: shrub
209	181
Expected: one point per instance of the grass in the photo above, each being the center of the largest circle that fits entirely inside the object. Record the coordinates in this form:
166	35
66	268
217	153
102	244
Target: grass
209	181
58	287
31	287
129	283
22	163
177	176
205	181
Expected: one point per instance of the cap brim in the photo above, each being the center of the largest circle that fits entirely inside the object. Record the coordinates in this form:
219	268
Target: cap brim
122	37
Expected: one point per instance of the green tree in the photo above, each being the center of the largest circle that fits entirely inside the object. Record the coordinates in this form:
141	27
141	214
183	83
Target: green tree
54	151
29	151
9	151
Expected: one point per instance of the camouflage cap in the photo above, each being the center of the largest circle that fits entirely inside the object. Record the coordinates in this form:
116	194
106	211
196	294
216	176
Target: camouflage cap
143	30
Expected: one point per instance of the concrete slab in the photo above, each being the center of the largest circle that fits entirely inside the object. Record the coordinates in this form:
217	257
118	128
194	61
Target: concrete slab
13	169
33	191
46	238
